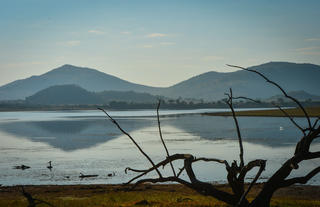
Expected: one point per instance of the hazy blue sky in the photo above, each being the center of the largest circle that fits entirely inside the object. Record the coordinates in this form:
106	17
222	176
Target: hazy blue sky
156	43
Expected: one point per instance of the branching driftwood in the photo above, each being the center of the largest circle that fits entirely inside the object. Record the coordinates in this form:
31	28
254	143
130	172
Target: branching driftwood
236	173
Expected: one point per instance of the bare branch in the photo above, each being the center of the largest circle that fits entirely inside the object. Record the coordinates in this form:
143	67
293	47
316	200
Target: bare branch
280	88
201	187
133	170
229	102
170	159
315	123
303	145
162	163
283	111
212	160
303	179
250	166
291	119
180	171
246	98
206	160
162	180
312	155
131	138
262	164
160	133
206	188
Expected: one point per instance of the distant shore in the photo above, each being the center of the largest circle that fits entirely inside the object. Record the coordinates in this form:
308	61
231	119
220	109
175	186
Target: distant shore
7	106
146	195
80	108
295	112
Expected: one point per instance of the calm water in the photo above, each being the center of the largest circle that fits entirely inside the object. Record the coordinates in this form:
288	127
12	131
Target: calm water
86	142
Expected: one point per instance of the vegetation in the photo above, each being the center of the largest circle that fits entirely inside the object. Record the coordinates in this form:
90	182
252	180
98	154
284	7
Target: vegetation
295	112
145	195
180	103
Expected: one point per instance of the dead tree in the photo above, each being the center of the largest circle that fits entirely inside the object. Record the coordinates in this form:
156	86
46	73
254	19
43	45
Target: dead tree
236	172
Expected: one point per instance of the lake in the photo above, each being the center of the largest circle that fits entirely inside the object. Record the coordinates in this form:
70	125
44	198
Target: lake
87	142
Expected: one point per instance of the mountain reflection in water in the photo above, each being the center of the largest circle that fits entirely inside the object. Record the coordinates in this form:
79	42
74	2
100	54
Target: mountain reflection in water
87	142
71	134
80	133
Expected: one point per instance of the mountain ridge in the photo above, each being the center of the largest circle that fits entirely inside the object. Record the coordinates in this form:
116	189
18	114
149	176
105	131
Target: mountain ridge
207	86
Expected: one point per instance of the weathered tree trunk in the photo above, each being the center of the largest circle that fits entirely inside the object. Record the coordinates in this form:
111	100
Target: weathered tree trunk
261	201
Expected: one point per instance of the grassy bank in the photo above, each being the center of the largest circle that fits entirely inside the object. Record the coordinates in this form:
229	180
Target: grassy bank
146	195
312	112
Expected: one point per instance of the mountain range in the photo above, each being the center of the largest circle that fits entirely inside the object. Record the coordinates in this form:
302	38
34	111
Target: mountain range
207	86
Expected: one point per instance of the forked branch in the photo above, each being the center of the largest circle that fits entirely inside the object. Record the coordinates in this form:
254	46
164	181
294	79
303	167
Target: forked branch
163	143
279	107
230	104
280	88
131	138
303	179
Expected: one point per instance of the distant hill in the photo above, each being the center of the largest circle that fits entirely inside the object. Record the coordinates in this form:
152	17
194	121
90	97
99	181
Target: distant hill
207	86
213	85
89	79
73	94
127	96
300	95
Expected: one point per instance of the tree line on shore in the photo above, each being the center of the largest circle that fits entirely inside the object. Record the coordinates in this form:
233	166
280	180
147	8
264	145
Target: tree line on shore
166	104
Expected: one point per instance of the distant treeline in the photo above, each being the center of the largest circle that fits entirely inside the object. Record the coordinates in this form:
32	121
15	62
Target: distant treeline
165	104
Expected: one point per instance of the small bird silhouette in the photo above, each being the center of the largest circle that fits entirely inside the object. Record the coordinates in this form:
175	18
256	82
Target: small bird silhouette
50	166
111	174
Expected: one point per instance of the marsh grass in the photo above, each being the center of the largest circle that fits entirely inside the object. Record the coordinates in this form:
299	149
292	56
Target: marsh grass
312	112
157	196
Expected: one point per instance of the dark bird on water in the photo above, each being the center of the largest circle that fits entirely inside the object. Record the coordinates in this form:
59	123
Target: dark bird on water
87	176
49	166
111	174
21	167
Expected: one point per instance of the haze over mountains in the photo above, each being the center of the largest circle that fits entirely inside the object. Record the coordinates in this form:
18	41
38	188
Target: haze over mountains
208	86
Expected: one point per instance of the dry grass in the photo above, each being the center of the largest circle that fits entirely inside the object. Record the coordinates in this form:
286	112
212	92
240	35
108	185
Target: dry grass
312	112
146	195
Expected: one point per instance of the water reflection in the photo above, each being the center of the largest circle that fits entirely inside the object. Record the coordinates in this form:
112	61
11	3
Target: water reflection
93	145
80	133
269	131
71	134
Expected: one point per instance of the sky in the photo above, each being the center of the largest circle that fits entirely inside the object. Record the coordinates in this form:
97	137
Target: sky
155	43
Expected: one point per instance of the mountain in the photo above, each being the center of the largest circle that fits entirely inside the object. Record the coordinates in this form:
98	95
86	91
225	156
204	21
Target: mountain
207	86
73	94
213	85
64	94
89	79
